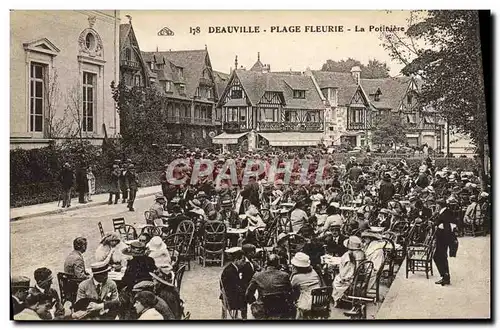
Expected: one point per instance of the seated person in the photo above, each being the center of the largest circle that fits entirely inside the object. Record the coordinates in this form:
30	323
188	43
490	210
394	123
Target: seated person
269	281
158	209
109	251
144	304
140	267
165	289
159	252
19	292
348	263
363	223
175	218
43	277
74	263
373	247
37	304
333	219
298	216
161	306
334	241
304	279
253	218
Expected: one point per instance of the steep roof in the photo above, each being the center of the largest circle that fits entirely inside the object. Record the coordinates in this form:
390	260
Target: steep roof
344	82
192	63
256	84
124	31
392	89
221	79
258	66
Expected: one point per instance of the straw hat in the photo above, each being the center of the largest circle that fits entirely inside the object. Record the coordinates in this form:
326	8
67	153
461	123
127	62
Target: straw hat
135	249
353	243
301	260
100	267
143	286
164	276
156	244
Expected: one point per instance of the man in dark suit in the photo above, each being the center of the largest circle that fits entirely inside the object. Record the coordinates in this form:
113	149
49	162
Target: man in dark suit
101	289
269	281
140	267
233	285
386	190
20	289
74	263
132	183
444	237
250	267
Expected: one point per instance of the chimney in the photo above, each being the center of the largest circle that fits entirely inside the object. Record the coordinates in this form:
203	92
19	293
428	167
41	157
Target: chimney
356	74
236	62
258	56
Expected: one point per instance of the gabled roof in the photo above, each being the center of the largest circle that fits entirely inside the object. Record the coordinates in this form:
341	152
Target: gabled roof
192	63
258	66
124	31
256	84
221	80
393	90
344	82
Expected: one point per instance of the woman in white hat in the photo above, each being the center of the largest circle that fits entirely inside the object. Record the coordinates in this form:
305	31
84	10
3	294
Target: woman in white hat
109	250
348	262
304	279
374	251
159	252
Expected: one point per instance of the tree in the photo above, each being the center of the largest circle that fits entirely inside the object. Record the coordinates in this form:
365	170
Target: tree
388	129
444	49
374	69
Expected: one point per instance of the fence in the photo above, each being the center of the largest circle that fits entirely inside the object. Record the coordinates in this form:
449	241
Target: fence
45	192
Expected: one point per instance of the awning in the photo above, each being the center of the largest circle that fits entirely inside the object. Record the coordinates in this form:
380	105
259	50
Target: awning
293	139
236	103
226	138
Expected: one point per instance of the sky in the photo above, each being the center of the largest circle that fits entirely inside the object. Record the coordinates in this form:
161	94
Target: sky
283	51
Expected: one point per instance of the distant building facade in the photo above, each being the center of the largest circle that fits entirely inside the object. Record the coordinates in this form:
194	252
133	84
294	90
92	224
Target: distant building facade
61	66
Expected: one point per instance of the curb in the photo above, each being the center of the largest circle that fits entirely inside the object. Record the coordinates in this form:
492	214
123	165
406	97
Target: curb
76	207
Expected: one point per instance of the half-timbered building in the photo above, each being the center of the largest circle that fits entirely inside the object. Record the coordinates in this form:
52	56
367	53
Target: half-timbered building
187	80
133	69
268	109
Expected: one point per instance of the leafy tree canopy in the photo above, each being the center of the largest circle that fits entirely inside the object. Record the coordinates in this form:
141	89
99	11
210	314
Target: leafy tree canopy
388	129
374	68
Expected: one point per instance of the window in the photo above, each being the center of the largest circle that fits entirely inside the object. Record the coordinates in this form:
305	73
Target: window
209	93
356	115
128	54
37	100
182	89
409	98
299	94
236	94
268	114
89	80
218	114
331	128
180	72
376	98
89	41
197	92
232	114
137	80
152	65
291	116
411	118
243	115
168	86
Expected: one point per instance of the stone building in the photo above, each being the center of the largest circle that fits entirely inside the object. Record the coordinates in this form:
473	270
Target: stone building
61	66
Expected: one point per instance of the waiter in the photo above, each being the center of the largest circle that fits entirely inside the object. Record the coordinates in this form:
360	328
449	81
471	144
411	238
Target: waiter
444	238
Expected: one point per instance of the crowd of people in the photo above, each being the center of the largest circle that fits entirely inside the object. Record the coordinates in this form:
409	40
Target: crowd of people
346	217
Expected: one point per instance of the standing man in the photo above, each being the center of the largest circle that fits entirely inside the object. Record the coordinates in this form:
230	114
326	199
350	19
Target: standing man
115	185
164	180
232	283
74	263
123	174
20	289
132	184
386	190
82	184
444	237
67	178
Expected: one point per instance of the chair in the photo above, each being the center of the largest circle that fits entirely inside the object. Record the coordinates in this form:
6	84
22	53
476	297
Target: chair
320	307
117	223
127	232
178	278
148	216
419	256
68	287
389	253
285	224
374	291
101	230
347	200
213	242
187	229
152	230
177	244
278	306
356	295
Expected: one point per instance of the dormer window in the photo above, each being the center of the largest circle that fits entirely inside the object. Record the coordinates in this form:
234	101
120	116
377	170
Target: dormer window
128	54
299	94
180	72
168	86
182	89
376	97
409	98
236	94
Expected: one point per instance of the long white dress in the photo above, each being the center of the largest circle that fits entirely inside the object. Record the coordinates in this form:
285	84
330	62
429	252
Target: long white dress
375	253
346	274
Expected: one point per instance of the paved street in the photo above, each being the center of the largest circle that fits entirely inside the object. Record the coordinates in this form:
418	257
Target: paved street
467	297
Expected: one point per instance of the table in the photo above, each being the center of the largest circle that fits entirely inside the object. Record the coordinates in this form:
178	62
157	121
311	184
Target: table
330	260
130	241
235	231
347	208
266	248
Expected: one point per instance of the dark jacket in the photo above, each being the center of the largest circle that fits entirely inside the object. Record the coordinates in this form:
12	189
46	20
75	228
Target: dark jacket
56	301
122	178
268	281
81	181
115	182
67	178
445	218
131	181
171	296
16	306
251	192
386	191
138	270
233	287
336	247
422	181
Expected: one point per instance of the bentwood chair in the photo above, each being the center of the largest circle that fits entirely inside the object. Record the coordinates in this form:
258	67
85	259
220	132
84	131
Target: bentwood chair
213	243
117	223
320	306
101	230
68	287
127	232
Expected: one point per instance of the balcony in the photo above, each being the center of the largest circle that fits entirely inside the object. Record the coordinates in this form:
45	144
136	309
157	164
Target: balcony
235	126
356	126
276	126
203	121
178	120
131	65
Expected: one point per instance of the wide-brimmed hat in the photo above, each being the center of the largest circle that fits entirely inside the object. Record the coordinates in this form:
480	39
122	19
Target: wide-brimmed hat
371	234
301	260
195	203
353	243
19	281
135	249
163	276
100	267
113	236
143	286
156	243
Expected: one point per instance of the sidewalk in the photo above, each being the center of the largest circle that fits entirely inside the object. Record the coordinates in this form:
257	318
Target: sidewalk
38	210
468	296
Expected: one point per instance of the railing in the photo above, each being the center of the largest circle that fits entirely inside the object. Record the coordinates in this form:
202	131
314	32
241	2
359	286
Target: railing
290	126
130	64
235	126
185	120
356	126
203	121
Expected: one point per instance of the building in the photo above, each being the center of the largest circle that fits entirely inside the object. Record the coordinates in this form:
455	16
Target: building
355	102
61	66
188	82
263	109
133	69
